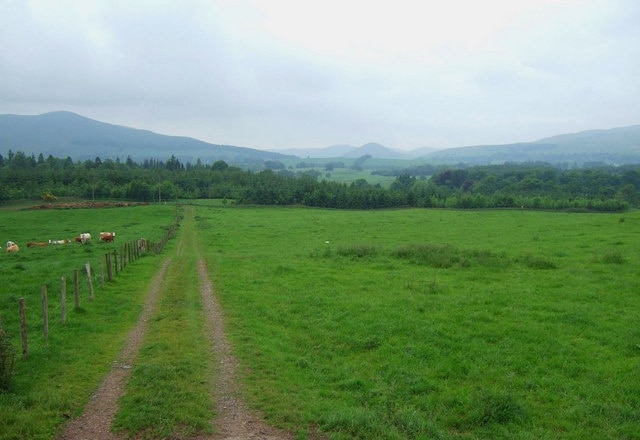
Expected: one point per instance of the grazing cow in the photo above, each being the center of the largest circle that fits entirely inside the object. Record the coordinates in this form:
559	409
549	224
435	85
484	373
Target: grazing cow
83	238
12	247
65	241
107	236
36	243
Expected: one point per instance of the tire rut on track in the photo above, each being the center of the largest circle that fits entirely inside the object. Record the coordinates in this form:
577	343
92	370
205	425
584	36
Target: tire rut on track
95	422
234	420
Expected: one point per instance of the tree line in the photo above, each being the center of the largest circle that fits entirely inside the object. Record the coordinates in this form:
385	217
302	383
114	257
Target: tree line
532	185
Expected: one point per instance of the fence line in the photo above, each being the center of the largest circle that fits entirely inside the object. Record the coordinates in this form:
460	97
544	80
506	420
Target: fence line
125	254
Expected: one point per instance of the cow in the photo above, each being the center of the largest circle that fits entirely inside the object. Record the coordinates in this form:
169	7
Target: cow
36	243
107	236
12	247
65	241
83	238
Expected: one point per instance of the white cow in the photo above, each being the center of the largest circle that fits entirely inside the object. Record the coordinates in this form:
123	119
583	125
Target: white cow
65	241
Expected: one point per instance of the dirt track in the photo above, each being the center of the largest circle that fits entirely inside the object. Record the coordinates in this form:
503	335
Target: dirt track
234	420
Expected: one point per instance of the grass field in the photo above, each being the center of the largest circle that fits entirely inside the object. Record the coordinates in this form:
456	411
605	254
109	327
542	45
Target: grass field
390	324
434	324
61	372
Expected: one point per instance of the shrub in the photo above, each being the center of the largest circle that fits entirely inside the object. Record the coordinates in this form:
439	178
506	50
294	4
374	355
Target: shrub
7	360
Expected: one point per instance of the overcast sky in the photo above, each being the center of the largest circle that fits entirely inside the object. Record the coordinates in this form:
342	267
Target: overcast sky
275	74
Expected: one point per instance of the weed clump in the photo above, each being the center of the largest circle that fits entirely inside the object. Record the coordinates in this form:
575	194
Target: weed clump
540	263
357	251
443	256
613	257
500	408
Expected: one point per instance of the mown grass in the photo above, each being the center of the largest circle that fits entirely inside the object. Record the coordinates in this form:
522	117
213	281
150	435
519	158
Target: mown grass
57	378
433	324
169	392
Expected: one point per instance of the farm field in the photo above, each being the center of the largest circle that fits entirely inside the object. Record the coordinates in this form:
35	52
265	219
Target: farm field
433	323
387	324
62	371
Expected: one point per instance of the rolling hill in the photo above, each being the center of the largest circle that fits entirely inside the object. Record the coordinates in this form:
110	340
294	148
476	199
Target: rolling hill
63	134
613	146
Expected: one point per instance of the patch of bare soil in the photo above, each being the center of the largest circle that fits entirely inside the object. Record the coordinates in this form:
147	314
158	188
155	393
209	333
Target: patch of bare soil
95	422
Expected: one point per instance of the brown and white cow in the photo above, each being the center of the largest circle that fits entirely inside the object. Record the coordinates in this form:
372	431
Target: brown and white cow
12	247
107	236
83	238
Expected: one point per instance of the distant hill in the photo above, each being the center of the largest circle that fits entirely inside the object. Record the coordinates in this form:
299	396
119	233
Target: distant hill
349	151
612	146
63	134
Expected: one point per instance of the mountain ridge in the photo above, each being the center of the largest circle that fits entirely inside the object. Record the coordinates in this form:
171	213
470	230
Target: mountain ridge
63	133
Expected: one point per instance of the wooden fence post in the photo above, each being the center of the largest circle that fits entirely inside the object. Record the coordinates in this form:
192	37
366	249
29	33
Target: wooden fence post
109	272
76	288
45	313
115	260
23	327
63	300
101	273
87	267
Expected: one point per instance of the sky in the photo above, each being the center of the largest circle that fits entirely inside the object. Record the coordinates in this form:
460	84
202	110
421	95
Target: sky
279	74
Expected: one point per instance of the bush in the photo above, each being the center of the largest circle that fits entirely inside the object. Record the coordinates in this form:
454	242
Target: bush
7	360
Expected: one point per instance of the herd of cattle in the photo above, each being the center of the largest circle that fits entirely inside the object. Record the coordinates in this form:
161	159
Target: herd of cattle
83	238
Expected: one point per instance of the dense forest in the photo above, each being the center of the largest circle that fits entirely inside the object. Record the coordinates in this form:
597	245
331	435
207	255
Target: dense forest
530	185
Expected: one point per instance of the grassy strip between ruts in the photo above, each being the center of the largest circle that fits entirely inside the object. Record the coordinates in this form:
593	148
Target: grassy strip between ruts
169	390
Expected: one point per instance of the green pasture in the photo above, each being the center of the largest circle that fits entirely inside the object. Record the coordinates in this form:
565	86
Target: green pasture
389	324
431	323
61	372
347	174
